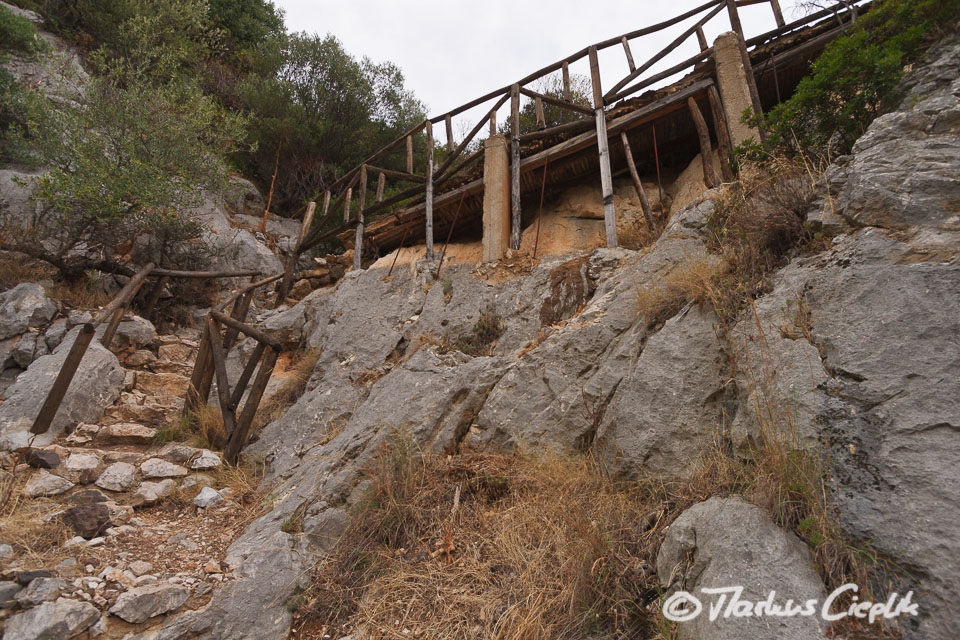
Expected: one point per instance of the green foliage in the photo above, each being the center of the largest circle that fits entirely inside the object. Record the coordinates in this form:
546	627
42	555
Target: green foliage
483	335
21	117
854	79
18	34
248	22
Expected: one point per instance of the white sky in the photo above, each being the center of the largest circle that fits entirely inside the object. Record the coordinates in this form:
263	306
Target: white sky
451	52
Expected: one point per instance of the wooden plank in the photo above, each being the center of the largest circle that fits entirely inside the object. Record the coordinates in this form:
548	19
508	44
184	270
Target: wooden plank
666	73
256	334
626	51
439	182
239	437
723	134
706	150
630	77
595	79
223	385
801	22
429	197
603	147
637	184
578	125
573	106
777	13
410	154
59	389
358	239
515	167
659	26
450	140
351	176
248	370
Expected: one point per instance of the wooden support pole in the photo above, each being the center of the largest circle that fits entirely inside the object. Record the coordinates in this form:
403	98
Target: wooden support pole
566	82
493	123
238	313
248	370
123	298
723	135
637	184
195	399
515	167
292	259
112	327
256	334
702	39
603	146
241	273
451	144
626	51
777	13
747	66
239	437
706	150
541	118
59	389
409	154
399	175
346	204
429	194
573	106
381	184
154	297
223	385
358	237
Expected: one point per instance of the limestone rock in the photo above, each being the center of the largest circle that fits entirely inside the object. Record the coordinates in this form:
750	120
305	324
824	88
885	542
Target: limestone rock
82	461
178	453
153	491
160	384
206	460
42	458
140	568
132	334
207	498
126	433
726	542
30	347
61	619
8	591
24	306
160	468
119	476
142	603
39	591
44	483
89	520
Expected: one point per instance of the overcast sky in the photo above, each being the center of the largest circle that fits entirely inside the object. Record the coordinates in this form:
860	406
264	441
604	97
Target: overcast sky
451	52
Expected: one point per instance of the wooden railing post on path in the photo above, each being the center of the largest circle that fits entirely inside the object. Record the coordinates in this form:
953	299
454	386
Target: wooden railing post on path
295	254
515	167
358	238
603	146
429	192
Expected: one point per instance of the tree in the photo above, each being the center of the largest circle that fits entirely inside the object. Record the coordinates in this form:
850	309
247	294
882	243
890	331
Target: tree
248	22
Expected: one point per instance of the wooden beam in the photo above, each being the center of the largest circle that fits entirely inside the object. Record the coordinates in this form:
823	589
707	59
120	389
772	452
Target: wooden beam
666	73
239	437
59	389
248	370
595	79
450	140
626	51
295	254
747	66
566	82
397	175
777	13
358	241
538	109
603	147
515	167
493	123
637	184
195	399
441	172
256	334
630	77
346	204
381	184
410	154
573	106
823	13
702	39
578	125
125	295
429	200
706	150
223	385
723	134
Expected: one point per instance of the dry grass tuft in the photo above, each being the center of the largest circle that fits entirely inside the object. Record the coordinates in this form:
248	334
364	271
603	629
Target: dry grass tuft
37	543
16	268
694	280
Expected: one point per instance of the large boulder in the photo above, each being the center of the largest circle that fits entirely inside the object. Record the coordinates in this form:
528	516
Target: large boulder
96	385
24	306
142	603
724	543
57	620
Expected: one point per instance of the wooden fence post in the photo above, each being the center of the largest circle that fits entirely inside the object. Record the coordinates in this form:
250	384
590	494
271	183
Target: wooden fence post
223	385
239	436
777	13
644	203
723	135
747	66
603	146
409	154
706	150
358	238
346	205
429	194
515	167
59	389
292	260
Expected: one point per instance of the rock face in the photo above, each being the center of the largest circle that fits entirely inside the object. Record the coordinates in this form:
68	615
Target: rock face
95	386
24	306
51	621
730	543
142	603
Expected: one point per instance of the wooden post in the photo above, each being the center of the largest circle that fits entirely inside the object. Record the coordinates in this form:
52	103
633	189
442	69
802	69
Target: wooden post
59	389
702	39
706	150
223	385
777	14
429	194
358	238
451	145
747	66
723	135
493	123
195	399
636	182
626	51
541	118
381	183
515	167
346	205
603	146
238	313
112	327
248	370
154	297
566	82
239	437
292	260
409	154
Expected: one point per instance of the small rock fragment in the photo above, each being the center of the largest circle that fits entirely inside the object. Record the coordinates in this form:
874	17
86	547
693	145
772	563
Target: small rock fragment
142	603
119	476
207	498
159	468
44	483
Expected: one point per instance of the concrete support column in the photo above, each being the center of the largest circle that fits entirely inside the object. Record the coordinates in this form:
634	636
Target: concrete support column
496	198
734	88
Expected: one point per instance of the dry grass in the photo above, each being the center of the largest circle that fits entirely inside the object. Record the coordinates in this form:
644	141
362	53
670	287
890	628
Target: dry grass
36	543
16	268
295	380
694	280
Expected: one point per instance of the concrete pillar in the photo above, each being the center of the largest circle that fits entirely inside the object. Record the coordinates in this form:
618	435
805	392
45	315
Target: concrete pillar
734	90
496	198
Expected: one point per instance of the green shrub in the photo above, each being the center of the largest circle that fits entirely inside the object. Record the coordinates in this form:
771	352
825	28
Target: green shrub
855	78
18	34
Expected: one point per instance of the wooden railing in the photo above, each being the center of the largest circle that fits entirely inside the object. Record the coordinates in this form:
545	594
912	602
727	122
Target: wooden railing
425	187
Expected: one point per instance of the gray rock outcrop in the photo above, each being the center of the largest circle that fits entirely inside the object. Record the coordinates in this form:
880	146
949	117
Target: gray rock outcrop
142	603
57	620
24	306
